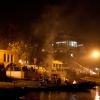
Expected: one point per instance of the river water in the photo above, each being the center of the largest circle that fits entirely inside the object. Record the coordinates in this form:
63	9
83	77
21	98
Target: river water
93	94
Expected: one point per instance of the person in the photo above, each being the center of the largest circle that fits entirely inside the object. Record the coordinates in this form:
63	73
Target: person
42	82
66	82
58	81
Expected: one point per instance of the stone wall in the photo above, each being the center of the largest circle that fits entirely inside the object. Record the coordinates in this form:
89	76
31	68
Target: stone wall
21	74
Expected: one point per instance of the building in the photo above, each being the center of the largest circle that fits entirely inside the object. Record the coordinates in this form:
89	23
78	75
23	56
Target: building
57	65
8	57
63	48
66	44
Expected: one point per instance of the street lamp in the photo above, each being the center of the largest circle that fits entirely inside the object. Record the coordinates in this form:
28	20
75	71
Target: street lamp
96	54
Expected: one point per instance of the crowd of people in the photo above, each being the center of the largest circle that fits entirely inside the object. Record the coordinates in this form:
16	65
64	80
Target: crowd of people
54	80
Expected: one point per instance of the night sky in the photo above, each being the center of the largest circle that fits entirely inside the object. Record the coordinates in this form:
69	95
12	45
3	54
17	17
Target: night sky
80	18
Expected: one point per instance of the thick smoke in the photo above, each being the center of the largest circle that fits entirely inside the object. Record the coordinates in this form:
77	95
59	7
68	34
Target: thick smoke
76	18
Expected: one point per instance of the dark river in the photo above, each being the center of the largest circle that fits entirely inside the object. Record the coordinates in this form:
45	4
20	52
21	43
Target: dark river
93	94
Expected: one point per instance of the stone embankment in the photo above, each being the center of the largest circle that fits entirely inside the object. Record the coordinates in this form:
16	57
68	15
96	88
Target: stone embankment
93	79
19	84
22	83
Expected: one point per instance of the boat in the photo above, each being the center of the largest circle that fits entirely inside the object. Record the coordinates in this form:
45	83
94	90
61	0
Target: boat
68	87
18	92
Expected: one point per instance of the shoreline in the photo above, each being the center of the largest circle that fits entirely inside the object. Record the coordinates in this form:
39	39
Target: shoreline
19	84
26	82
92	79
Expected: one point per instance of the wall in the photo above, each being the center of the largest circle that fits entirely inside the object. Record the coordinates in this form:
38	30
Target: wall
15	74
32	75
21	74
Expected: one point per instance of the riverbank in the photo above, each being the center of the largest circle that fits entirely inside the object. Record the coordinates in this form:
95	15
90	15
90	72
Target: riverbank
24	82
19	83
92	79
14	90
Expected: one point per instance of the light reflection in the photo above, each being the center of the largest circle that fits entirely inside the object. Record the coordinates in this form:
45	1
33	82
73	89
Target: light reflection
97	97
73	97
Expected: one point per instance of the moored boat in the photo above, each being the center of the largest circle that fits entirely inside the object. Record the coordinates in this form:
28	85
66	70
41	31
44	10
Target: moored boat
68	87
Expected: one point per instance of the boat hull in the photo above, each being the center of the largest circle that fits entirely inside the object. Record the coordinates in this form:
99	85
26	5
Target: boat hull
70	87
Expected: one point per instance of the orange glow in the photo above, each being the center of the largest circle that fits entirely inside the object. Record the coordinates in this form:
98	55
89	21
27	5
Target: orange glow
96	54
74	82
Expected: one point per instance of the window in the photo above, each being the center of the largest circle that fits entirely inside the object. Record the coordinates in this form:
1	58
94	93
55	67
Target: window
72	43
59	65
4	57
56	65
8	58
11	58
53	65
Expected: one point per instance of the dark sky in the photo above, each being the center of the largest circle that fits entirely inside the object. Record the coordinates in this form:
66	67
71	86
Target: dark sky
80	18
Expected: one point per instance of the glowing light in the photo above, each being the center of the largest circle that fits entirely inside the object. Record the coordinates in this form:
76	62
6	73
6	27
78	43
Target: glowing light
96	54
97	97
20	61
74	82
71	55
96	68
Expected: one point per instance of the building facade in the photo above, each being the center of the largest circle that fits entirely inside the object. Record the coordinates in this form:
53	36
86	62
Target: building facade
63	48
8	57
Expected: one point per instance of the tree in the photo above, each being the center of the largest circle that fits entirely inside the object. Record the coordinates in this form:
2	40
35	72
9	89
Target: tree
22	48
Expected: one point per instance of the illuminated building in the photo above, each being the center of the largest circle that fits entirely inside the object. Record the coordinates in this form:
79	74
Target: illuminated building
63	48
8	57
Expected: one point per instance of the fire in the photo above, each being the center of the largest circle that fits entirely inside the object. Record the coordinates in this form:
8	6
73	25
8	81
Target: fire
74	82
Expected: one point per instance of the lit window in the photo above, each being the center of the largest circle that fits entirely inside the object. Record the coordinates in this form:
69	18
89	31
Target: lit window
72	43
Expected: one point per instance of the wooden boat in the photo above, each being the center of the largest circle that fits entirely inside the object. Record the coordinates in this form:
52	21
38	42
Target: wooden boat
69	87
17	92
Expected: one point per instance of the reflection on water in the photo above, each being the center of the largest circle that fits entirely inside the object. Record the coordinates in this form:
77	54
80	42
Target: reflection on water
93	94
73	97
97	96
